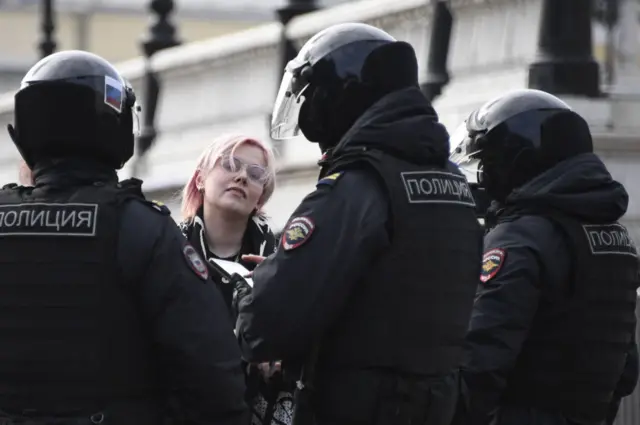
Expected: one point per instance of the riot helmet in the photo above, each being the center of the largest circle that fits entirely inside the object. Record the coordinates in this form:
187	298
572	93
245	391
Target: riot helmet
74	104
515	137
338	74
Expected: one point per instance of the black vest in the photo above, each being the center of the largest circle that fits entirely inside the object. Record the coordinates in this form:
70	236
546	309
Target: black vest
411	310
576	349
70	334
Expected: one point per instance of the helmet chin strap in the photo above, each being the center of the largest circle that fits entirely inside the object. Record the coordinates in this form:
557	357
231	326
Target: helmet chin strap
15	138
12	133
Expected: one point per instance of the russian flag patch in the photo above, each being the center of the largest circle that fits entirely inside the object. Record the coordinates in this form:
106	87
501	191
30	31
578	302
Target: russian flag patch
113	93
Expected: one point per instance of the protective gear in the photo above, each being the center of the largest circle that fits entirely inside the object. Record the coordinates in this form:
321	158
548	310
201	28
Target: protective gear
515	137
421	200
69	364
480	196
559	369
338	74
107	308
550	340
406	236
74	104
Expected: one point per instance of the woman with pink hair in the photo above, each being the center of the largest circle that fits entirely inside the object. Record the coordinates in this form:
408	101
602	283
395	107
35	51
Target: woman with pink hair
222	217
222	202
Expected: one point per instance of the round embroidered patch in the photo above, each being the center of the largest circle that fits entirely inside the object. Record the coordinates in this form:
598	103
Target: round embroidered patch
492	262
195	262
297	232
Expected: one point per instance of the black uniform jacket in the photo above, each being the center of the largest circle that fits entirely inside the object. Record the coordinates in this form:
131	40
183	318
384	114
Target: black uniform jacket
536	252
188	323
303	288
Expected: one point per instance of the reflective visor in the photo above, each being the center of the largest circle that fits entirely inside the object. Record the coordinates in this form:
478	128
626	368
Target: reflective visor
284	121
464	152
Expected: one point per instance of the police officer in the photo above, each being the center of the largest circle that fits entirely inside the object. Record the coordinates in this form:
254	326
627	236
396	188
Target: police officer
106	309
380	263
551	339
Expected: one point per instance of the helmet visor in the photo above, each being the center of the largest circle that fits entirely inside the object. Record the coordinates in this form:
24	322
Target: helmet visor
135	117
464	153
284	121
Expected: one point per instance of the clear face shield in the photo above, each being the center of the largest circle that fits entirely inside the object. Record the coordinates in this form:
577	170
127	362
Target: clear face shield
284	121
131	100
464	153
135	117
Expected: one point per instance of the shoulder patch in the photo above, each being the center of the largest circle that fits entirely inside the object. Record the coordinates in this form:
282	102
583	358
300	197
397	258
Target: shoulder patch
492	262
331	179
610	239
194	260
158	206
297	232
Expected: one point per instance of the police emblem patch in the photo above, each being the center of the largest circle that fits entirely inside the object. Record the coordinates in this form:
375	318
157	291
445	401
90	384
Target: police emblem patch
297	232
195	262
492	262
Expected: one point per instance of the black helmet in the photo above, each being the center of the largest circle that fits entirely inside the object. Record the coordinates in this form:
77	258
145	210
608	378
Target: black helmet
515	137
337	75
74	104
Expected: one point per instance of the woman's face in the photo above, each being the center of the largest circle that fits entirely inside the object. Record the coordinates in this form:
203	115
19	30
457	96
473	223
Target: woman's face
235	184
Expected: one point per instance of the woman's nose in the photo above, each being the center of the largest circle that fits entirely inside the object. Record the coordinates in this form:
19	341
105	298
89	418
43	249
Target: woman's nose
241	174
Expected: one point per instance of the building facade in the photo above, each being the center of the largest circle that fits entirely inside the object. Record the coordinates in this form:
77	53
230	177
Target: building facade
113	28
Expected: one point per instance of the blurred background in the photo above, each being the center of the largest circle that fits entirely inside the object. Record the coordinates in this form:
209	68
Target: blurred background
111	28
205	67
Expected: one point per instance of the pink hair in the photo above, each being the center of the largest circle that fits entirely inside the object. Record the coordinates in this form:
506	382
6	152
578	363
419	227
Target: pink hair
192	199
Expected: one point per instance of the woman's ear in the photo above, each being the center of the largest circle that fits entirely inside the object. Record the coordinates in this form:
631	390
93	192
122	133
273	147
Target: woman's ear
199	181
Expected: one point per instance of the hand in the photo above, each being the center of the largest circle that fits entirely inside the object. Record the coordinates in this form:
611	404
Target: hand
240	290
268	369
253	259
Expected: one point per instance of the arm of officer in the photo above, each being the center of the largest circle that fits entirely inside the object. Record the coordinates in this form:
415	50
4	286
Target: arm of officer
188	321
628	381
330	241
518	256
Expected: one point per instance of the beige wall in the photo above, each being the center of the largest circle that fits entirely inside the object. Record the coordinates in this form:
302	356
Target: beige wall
116	37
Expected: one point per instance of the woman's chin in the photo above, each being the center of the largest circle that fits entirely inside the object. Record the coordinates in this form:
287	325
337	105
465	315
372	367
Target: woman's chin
235	207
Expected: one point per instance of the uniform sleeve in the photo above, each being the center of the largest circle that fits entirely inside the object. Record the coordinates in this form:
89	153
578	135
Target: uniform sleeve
330	241
629	379
199	359
627	383
518	256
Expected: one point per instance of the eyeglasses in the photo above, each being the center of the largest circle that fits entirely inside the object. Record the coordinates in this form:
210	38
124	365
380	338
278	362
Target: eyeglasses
255	172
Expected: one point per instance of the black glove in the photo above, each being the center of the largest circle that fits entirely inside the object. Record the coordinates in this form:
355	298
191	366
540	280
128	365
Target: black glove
240	290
